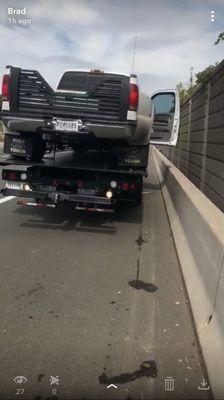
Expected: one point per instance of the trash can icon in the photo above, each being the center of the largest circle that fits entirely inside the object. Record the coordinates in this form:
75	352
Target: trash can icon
169	384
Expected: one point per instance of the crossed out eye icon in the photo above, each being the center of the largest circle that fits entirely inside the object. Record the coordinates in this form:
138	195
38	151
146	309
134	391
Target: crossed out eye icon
20	379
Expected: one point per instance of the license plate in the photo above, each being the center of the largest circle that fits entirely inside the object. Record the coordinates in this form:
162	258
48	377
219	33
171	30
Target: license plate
89	192
13	185
68	126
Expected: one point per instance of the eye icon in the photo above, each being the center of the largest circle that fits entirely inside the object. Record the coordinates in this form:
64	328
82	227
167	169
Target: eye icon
20	379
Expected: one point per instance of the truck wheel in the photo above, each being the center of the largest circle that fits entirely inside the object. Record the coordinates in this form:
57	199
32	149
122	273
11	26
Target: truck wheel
78	149
38	150
138	199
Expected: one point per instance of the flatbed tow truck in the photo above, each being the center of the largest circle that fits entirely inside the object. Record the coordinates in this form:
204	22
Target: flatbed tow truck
92	181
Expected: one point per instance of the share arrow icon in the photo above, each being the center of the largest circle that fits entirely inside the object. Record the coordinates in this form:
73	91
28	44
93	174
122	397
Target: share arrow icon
54	380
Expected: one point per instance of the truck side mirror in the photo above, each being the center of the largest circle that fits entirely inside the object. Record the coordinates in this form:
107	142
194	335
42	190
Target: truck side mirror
166	117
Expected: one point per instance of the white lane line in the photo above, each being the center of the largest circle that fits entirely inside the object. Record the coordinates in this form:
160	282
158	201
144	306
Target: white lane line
7	199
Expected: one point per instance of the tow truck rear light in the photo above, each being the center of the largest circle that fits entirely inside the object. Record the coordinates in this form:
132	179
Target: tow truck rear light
125	186
133	97
113	184
5	86
133	186
109	194
79	184
27	187
12	176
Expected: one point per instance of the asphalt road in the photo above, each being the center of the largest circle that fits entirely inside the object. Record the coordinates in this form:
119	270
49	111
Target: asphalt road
95	300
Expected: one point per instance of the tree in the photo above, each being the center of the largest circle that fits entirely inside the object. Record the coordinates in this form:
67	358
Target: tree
187	91
184	92
220	38
202	79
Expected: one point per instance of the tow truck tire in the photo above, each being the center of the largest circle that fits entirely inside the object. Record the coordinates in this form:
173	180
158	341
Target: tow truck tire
38	150
138	199
79	149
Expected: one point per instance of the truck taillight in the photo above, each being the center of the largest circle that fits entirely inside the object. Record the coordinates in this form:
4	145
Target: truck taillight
133	97
79	184
5	86
12	176
125	186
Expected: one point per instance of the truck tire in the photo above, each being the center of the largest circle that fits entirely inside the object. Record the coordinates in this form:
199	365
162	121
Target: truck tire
138	199
80	149
38	150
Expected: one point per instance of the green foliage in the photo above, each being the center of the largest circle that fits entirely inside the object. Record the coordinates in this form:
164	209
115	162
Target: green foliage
202	79
220	38
184	92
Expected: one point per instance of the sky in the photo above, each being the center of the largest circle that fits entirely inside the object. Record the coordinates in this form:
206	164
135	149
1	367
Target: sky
172	37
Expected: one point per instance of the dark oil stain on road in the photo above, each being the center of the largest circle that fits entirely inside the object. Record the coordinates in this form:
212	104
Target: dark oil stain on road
147	369
32	292
40	377
35	291
140	241
113	302
138	284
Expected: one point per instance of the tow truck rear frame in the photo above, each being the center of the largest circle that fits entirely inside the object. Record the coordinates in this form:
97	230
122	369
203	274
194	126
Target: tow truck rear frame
87	182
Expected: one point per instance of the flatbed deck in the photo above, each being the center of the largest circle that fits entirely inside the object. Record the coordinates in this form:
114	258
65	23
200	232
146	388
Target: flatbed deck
89	181
90	161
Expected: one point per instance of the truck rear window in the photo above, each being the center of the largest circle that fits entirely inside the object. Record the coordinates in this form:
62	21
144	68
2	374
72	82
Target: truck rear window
84	81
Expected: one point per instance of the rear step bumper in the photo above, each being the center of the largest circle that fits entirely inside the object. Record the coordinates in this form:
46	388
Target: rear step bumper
25	203
57	197
100	129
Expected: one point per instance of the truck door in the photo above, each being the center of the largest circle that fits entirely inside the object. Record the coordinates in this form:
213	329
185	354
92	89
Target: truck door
166	117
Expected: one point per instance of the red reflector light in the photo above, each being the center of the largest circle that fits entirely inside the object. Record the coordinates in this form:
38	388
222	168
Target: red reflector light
125	186
5	86
12	176
133	97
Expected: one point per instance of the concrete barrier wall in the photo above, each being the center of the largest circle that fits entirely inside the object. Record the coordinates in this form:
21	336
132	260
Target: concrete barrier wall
199	152
198	230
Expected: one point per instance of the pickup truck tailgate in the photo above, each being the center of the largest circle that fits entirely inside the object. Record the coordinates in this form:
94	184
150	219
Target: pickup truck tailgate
105	96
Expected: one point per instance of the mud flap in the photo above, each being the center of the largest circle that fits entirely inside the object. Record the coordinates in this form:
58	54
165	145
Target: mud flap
20	145
134	156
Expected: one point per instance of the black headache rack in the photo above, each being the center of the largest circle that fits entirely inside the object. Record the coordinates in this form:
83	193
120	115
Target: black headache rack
84	183
30	94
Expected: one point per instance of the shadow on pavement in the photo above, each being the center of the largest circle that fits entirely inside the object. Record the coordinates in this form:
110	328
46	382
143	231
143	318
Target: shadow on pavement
66	218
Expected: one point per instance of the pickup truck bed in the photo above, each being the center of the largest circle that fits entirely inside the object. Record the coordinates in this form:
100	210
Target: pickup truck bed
32	96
